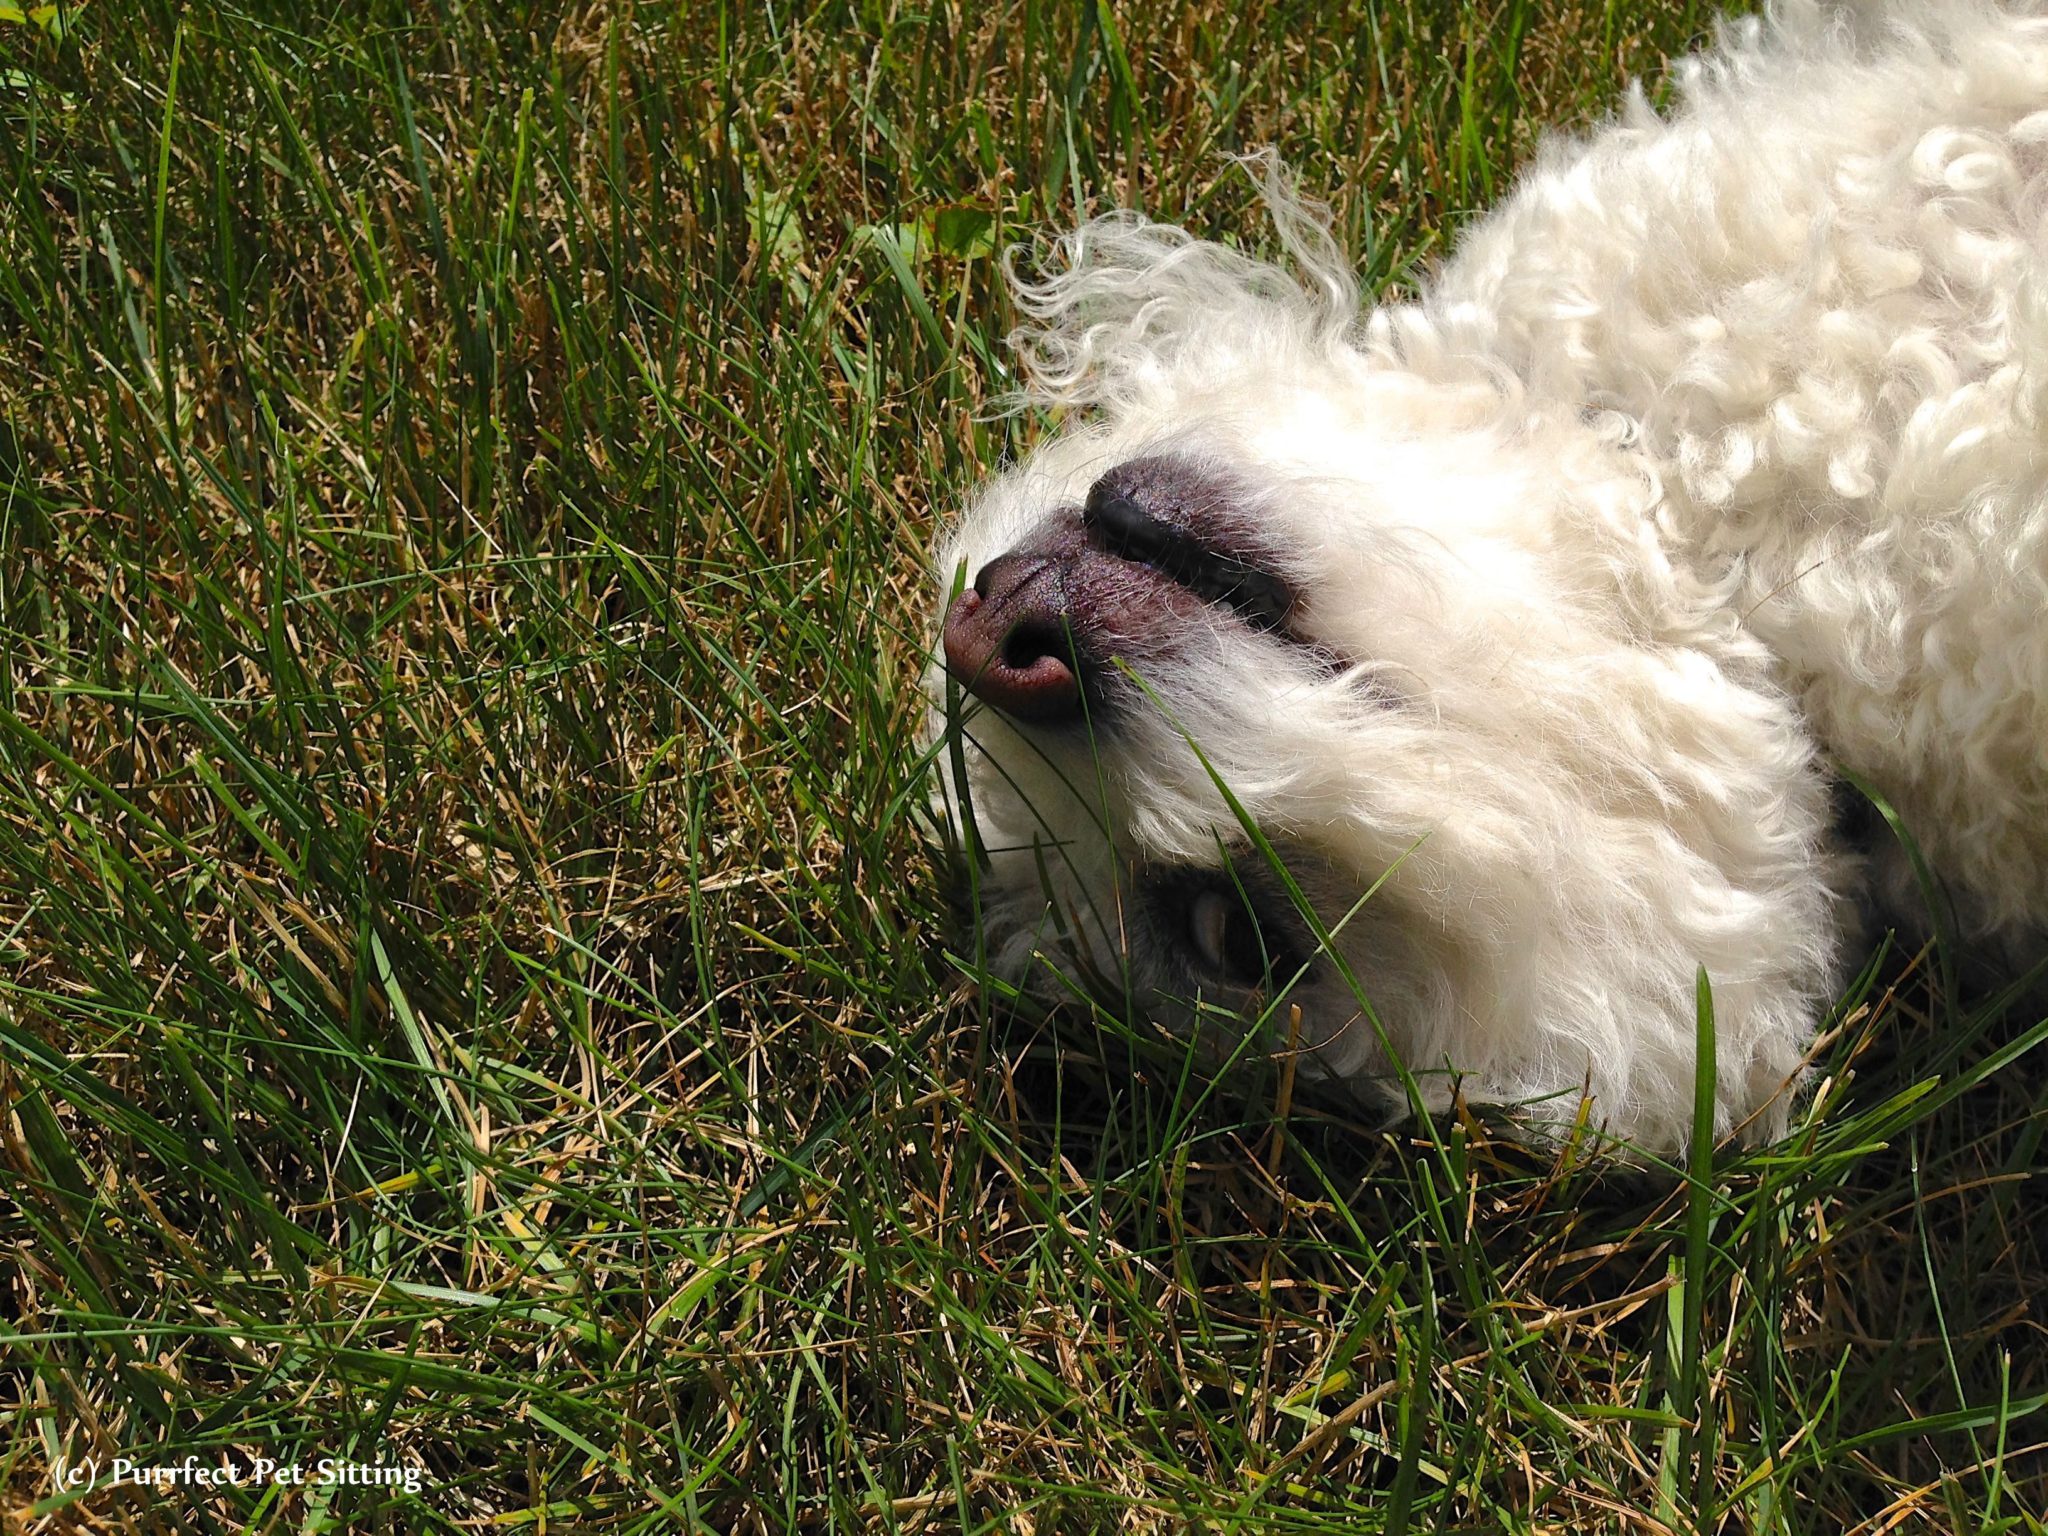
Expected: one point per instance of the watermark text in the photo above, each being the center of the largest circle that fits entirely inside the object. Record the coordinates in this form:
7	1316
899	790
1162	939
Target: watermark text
197	1472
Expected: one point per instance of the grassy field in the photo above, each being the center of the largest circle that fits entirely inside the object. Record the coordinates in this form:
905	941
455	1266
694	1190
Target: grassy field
476	985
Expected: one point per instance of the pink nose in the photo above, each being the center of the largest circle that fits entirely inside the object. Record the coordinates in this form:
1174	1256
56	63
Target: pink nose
1009	642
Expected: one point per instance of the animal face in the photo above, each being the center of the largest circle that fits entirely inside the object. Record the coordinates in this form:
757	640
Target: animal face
1130	614
1297	677
1230	675
1476	664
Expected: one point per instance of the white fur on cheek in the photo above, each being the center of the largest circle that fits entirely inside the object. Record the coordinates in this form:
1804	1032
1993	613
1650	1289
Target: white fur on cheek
1713	459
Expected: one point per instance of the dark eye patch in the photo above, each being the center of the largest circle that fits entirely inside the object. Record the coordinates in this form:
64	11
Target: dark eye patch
1228	930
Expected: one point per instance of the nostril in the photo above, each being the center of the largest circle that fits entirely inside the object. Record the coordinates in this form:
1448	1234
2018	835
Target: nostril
1007	641
1033	641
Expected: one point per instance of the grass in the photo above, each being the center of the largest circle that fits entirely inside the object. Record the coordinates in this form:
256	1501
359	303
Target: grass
478	989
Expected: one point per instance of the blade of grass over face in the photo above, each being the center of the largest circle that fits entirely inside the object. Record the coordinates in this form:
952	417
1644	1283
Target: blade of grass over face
481	989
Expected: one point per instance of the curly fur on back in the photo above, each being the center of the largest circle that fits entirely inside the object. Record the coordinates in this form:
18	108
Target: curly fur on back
1712	461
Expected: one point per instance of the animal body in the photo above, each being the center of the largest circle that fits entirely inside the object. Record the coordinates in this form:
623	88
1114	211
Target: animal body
1472	671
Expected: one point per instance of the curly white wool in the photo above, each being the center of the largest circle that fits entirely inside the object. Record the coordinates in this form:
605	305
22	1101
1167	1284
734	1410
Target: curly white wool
1714	457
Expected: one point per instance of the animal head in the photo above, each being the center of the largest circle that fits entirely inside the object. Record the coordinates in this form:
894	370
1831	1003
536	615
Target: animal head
1316	663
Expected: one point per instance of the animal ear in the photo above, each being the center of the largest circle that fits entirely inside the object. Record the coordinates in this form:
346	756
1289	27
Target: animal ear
1123	307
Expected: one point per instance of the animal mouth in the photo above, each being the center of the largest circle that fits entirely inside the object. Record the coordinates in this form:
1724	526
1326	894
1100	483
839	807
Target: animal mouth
1120	524
1159	546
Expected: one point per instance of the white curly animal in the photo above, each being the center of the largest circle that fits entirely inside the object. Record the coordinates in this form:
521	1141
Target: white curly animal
1531	622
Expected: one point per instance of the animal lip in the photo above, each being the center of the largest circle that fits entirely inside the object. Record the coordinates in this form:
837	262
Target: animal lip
1117	522
1130	578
